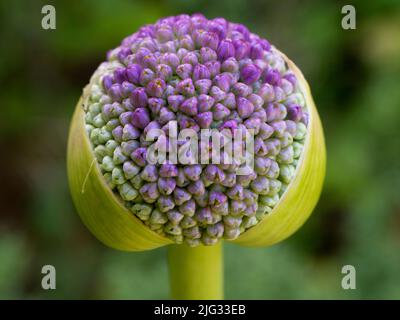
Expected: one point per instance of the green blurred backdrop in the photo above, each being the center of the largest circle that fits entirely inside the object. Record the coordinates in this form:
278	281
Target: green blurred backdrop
354	76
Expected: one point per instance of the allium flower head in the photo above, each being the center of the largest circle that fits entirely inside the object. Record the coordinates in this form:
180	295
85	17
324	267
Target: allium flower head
203	74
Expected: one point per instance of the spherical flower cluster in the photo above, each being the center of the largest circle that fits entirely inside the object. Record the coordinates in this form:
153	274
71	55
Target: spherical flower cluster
202	74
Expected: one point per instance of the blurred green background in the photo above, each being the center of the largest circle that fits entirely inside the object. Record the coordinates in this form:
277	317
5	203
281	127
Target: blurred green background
354	76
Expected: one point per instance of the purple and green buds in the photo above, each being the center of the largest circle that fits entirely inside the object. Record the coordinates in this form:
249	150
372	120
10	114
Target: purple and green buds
197	74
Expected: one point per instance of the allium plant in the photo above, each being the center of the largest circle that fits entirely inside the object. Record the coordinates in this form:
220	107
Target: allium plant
197	74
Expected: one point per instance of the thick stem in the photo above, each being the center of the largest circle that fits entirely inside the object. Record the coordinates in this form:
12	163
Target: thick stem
196	273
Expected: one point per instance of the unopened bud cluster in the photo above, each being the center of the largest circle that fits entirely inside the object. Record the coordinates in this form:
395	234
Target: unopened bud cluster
202	74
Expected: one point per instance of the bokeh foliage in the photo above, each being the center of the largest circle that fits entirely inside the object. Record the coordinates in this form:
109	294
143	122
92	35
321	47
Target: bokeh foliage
354	76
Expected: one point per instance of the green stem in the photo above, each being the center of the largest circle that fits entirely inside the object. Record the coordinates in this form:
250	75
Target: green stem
196	273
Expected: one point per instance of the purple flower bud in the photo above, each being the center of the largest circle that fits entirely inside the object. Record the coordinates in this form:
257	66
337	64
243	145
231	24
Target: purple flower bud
139	98
291	78
165	203
232	222
117	133
286	86
236	192
204	119
220	111
200	72
168	170
120	75
149	61
125	118
164	71
141	53
133	73
254	124
187	42
155	105
245	107
217	94
231	234
146	76
181	196
202	199
156	87
186	87
271	76
107	82
225	50
256	51
140	118
275	111
185	122
196	188
216	198
242	49
181	27
279	128
150	44
129	132
123	53
184	71
164	33
175	217
241	89
265	131
170	59
189	106
192	233
273	146
206	40
279	94
169	46
188	208
245	180
126	103
166	116
111	111
149	173
250	210
175	101
260	148
204	216
205	102
223	81
130	169
291	127
216	230
230	65
126	89
169	90
230	124
213	173
257	101
237	207
203	86
188	222
260	185
166	185
207	54
149	192
190	58
294	112
273	171
250	74
192	172
115	92
214	67
139	156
